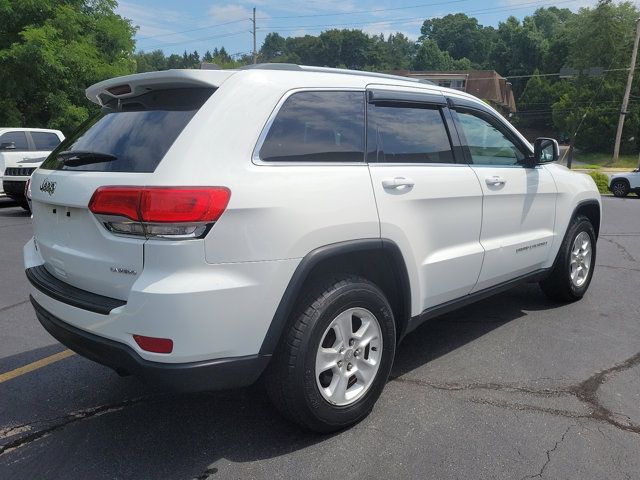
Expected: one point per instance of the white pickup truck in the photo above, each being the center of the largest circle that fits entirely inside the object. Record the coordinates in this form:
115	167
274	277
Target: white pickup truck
22	150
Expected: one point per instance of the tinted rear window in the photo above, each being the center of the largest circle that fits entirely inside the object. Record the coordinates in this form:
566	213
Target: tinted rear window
45	141
407	135
317	127
133	134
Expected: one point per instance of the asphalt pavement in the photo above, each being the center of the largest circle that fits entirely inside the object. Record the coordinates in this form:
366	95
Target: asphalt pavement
513	387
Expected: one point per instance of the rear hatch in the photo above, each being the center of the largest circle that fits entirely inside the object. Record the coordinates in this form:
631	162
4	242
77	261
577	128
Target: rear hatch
121	146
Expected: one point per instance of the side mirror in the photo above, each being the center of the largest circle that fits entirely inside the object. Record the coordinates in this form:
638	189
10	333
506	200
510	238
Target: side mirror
545	150
7	146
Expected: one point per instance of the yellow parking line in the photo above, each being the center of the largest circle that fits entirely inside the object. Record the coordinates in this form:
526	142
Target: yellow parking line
30	367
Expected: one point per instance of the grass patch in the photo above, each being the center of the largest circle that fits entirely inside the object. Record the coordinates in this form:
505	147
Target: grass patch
602	181
598	160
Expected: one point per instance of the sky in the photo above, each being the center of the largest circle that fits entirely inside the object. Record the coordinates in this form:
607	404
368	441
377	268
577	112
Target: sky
204	24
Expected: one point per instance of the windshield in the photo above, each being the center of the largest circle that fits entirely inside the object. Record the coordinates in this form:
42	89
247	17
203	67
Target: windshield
130	135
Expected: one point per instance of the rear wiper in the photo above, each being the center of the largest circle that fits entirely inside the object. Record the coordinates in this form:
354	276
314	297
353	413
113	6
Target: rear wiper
77	158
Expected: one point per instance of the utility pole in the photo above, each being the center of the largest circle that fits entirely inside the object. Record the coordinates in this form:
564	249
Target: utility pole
255	53
627	92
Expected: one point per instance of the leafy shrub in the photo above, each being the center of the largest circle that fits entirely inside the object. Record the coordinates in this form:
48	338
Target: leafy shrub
602	181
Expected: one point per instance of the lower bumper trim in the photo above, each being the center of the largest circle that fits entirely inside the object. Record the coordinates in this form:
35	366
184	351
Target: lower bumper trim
218	374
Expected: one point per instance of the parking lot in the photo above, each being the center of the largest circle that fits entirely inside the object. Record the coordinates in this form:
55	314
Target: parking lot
512	387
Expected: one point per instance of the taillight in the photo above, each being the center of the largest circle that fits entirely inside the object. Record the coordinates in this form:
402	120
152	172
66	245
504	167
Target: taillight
27	189
167	212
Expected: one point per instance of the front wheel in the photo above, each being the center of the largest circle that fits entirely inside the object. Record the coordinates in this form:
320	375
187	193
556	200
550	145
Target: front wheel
620	188
335	359
572	272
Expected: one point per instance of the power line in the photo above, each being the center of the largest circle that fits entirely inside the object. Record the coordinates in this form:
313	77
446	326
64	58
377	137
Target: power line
285	28
192	30
519	6
231	34
357	12
331	14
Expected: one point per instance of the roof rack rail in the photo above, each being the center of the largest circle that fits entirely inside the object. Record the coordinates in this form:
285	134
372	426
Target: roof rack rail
343	71
271	66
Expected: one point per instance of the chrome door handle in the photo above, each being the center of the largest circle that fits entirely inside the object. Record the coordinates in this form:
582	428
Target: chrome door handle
495	180
397	182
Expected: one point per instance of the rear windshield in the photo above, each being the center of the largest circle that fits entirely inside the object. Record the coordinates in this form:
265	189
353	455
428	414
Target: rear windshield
129	135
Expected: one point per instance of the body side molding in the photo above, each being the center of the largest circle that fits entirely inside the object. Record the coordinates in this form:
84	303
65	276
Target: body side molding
451	305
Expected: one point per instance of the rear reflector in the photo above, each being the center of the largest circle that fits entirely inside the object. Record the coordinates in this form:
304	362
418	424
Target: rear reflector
159	211
155	345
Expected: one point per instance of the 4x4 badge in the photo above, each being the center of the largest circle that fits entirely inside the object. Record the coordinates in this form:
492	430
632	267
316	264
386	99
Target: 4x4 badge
48	186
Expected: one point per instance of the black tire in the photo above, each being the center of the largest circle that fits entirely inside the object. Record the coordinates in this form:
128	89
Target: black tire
620	188
558	285
290	379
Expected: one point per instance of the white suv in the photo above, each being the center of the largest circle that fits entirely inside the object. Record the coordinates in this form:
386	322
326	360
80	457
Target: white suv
209	227
22	150
620	184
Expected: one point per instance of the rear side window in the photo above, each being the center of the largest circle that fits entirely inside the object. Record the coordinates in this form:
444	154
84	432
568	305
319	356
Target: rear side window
18	139
407	134
130	135
317	127
45	141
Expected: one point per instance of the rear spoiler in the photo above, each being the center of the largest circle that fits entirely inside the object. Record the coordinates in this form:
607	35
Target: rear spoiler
134	85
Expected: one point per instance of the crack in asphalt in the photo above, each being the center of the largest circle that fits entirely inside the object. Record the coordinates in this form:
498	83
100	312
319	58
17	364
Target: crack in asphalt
619	268
546	392
528	408
585	391
621	248
207	473
9	307
548	453
69	419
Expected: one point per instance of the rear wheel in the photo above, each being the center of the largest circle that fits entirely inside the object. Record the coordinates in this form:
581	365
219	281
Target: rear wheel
573	269
335	359
620	188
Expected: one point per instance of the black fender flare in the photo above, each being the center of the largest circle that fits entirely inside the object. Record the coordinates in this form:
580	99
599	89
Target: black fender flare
319	255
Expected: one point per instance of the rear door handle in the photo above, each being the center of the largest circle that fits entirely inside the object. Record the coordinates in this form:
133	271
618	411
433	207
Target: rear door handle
397	182
495	180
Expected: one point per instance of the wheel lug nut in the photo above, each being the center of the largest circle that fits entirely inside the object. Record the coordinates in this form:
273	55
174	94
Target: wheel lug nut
351	342
339	363
356	353
349	366
341	350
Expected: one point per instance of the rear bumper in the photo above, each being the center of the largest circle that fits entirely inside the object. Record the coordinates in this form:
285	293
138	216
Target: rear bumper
219	374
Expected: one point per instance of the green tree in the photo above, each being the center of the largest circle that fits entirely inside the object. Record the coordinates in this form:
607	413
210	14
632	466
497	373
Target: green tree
430	57
273	47
459	35
51	51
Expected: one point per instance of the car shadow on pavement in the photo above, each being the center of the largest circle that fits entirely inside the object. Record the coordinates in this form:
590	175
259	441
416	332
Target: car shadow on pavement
9	209
136	431
441	335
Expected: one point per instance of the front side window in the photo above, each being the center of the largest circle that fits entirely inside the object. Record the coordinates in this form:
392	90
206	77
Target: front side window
14	141
317	127
407	134
487	144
